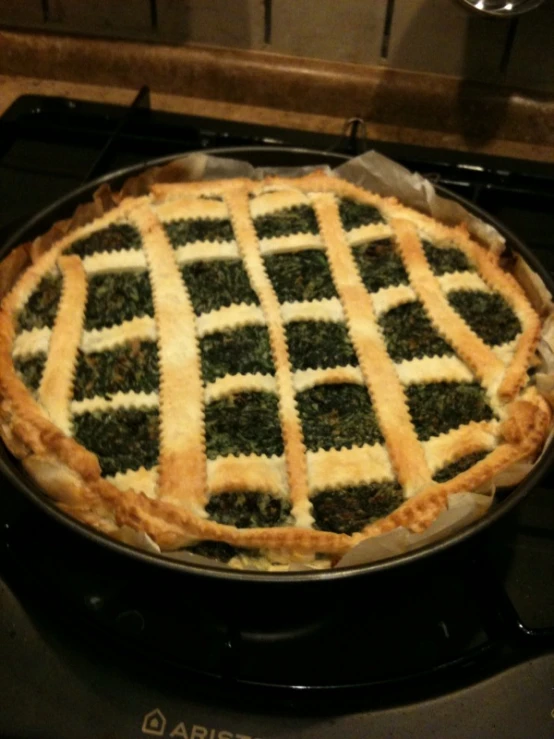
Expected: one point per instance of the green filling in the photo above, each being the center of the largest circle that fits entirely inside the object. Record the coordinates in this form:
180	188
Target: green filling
219	283
456	468
350	509
298	219
445	260
200	229
243	423
42	307
409	333
302	276
379	265
239	351
336	416
31	369
116	237
488	314
132	366
354	215
114	298
314	344
218	550
123	439
437	407
248	510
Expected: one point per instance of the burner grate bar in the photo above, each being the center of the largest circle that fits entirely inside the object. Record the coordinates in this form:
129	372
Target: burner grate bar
141	101
500	617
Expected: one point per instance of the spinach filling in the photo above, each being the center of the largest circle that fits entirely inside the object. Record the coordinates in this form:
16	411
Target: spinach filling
216	284
123	439
301	276
218	550
445	260
116	237
379	265
409	333
350	509
31	369
248	510
130	367
199	229
336	416
242	350
437	407
117	297
488	314
354	214
42	307
456	468
294	220
314	344
243	423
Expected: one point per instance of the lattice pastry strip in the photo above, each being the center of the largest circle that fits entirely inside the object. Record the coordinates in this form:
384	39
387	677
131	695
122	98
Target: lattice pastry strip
55	390
182	466
496	279
295	453
243	437
472	350
35	341
376	365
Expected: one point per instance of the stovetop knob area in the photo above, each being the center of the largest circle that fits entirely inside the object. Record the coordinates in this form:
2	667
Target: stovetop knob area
130	622
94	603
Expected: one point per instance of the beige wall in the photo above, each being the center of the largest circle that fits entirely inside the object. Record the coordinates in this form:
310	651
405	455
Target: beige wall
437	36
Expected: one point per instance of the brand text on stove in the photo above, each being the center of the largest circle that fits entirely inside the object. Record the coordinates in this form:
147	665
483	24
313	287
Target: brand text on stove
155	724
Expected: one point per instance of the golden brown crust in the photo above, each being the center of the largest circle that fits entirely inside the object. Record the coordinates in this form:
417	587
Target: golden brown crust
55	389
304	379
240	384
505	283
378	369
446	448
334	468
250	472
526	427
72	475
295	452
182	464
473	350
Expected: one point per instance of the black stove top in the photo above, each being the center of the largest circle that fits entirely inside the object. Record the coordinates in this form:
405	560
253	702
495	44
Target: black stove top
93	646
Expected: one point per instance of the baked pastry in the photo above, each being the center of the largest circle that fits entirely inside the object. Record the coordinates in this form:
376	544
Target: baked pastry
289	365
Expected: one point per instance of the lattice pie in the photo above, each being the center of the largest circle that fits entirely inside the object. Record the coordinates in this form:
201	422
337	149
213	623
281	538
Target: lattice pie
287	365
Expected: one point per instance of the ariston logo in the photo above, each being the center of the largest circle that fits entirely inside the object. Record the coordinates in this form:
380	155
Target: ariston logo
155	723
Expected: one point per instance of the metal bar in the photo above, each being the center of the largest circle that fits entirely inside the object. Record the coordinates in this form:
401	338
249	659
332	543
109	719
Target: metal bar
387	29
142	100
154	15
268	20
508	46
501	619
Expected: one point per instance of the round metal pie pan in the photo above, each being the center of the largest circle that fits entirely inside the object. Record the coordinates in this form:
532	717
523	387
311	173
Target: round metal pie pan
260	156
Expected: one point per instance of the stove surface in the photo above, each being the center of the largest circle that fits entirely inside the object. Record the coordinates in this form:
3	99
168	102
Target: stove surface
92	645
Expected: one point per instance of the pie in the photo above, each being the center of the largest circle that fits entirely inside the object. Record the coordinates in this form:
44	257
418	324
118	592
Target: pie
287	365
